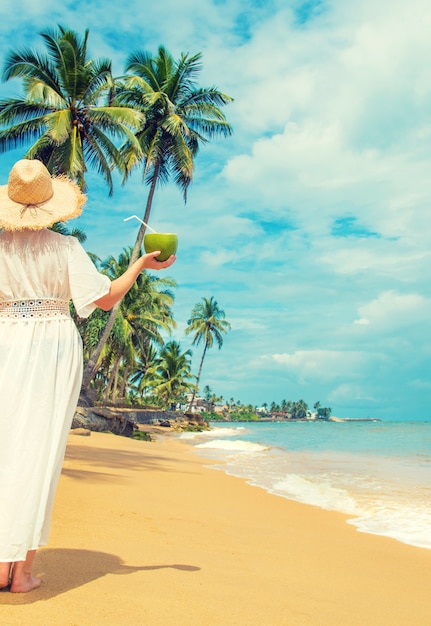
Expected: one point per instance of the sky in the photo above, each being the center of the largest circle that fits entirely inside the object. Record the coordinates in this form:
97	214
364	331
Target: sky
311	224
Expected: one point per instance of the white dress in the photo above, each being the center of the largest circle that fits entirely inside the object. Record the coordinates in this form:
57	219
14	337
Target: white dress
40	375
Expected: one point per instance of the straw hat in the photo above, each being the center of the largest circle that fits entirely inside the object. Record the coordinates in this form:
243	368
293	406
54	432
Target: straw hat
33	200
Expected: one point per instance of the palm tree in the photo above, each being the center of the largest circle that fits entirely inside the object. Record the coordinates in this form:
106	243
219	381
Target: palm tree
208	393
208	324
299	409
143	362
61	110
147	305
61	228
144	313
120	351
179	117
286	407
170	375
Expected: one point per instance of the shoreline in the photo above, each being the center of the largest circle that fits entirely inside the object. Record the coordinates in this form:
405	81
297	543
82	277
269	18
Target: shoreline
148	533
381	484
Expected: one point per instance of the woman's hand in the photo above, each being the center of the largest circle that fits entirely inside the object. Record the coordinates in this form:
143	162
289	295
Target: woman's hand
121	285
150	262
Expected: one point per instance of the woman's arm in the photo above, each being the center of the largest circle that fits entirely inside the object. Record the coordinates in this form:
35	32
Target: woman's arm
121	285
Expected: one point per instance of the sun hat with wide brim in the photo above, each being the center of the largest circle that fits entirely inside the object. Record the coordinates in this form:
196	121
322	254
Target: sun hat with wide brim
33	199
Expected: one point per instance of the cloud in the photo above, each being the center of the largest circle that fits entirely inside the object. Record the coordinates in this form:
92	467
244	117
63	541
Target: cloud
351	394
399	260
393	310
321	364
339	122
311	225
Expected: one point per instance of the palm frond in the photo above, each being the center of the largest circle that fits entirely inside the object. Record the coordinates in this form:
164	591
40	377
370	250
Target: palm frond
42	150
102	155
58	125
98	80
30	64
21	134
13	110
116	118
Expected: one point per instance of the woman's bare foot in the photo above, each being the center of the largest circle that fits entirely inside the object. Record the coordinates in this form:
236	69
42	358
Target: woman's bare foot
25	584
22	577
5	572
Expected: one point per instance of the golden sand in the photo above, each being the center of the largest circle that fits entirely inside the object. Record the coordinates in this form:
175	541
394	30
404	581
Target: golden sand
144	534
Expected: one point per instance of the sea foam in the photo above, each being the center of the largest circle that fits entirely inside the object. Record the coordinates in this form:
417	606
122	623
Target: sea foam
319	494
214	432
403	523
379	477
236	445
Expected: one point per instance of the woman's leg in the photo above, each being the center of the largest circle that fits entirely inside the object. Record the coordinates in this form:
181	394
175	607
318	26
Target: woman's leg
22	577
4	574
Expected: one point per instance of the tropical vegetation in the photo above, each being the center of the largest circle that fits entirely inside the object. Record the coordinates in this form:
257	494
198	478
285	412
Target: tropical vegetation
66	117
234	411
179	117
169	377
74	114
208	324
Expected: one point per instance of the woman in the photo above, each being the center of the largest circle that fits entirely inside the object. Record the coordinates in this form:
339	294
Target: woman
41	352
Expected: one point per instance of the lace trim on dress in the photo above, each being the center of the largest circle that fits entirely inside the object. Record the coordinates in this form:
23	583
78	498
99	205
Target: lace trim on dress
34	309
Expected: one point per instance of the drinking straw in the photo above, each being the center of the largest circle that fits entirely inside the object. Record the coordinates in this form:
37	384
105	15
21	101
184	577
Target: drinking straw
142	222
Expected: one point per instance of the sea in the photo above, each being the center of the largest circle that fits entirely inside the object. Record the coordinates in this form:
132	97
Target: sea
376	472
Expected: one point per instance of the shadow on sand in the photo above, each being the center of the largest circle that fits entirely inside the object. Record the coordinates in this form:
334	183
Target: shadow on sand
62	570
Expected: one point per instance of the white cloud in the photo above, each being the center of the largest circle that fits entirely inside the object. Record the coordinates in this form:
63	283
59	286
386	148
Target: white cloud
321	364
332	119
351	394
350	135
398	260
392	310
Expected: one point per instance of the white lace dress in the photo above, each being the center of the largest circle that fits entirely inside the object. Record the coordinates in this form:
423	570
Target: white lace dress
40	375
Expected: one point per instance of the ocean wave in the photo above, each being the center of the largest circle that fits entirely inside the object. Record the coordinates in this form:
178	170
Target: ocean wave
214	432
407	524
237	445
383	489
319	494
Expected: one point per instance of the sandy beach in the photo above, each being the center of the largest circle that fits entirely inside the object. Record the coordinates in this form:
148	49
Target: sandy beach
144	534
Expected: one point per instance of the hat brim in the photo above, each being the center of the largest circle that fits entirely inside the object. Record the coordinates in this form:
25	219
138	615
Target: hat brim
66	203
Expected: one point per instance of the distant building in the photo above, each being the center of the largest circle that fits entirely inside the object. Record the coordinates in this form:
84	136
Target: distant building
220	409
200	405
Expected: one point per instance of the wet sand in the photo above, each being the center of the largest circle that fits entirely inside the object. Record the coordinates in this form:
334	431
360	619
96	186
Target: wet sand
144	534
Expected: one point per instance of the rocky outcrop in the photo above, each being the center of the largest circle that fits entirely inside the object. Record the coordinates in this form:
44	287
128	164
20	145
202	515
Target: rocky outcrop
123	421
99	419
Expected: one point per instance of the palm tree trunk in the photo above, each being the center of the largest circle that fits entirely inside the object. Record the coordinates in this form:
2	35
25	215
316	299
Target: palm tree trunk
90	368
140	237
109	385
122	391
198	378
115	381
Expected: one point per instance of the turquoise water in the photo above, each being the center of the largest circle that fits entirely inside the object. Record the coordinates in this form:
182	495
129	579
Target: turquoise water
379	473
